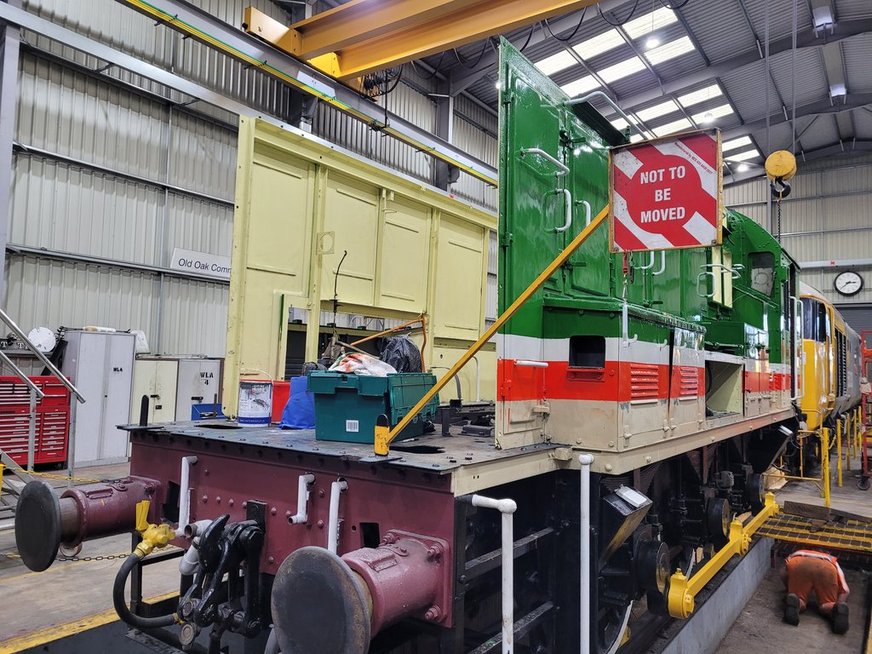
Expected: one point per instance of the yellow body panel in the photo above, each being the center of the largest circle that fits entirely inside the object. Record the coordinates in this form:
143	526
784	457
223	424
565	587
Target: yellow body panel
300	203
815	383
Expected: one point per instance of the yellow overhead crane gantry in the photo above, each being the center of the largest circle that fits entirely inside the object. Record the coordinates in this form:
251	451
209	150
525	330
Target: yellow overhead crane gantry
364	36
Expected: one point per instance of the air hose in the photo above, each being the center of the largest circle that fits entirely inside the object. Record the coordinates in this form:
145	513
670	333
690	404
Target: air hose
120	603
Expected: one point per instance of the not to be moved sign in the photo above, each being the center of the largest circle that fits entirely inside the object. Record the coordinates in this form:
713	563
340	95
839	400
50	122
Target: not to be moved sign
667	193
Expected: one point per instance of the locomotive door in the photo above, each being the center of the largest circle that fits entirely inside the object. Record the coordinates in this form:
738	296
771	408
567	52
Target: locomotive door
644	384
686	383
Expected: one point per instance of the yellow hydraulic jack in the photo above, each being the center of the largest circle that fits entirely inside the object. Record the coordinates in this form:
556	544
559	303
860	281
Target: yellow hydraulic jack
683	590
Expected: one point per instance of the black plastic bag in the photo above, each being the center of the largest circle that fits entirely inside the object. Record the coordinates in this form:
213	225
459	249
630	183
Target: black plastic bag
402	354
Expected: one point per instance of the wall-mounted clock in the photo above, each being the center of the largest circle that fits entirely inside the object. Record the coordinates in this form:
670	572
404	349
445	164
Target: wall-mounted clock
848	283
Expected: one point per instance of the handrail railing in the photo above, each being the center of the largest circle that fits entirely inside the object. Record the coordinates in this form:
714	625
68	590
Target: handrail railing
384	433
35	391
39	355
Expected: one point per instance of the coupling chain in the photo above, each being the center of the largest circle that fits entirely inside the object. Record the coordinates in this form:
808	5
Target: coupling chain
99	557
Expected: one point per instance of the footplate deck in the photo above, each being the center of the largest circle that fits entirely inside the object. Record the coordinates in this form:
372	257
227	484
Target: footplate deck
846	535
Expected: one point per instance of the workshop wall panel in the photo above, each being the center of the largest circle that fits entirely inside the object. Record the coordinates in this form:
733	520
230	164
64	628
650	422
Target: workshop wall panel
52	293
198	225
68	113
66	208
202	156
194	316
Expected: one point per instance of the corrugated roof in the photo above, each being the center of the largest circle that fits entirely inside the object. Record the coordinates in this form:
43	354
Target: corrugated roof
722	31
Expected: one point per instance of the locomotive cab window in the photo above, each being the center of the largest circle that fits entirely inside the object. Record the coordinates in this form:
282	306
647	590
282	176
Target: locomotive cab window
815	325
762	272
587	352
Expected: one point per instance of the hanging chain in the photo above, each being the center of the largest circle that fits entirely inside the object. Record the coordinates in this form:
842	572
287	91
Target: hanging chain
778	219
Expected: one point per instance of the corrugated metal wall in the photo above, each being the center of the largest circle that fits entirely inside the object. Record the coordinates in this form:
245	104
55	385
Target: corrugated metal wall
825	218
111	174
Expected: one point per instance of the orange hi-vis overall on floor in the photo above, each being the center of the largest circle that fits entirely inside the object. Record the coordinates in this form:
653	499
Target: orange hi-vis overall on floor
809	570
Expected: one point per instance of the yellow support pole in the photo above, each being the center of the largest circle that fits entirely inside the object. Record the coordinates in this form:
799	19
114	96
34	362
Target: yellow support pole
825	465
849	441
384	434
839	452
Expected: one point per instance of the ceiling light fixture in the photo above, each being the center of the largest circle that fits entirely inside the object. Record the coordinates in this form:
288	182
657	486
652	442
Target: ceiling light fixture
743	168
651	42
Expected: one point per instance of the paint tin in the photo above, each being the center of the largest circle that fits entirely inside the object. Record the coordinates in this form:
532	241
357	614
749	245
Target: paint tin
255	401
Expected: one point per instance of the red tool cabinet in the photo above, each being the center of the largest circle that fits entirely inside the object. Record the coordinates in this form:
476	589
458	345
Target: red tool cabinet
52	420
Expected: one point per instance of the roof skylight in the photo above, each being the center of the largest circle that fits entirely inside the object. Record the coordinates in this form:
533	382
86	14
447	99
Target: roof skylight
556	62
674	126
649	22
736	143
712	114
597	45
657	111
621	69
695	97
743	156
670	50
579	86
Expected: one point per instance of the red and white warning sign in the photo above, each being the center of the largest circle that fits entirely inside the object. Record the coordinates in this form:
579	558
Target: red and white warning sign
667	193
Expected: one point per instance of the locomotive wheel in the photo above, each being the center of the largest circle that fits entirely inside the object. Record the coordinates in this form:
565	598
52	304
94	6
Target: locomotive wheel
863	483
613	628
717	514
754	491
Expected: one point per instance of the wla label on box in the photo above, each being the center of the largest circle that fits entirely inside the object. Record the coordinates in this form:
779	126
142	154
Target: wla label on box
202	263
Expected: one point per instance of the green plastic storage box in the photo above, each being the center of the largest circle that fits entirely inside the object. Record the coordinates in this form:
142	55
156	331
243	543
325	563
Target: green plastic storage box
347	405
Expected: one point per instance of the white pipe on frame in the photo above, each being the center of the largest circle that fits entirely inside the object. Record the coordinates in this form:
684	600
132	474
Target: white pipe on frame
302	514
584	546
507	508
336	489
185	494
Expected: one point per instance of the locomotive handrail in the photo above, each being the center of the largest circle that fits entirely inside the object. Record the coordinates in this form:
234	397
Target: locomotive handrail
567	209
797	369
699	279
586	212
562	168
384	433
599	94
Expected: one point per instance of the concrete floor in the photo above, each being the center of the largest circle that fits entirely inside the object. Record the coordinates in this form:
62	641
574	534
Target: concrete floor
69	590
760	627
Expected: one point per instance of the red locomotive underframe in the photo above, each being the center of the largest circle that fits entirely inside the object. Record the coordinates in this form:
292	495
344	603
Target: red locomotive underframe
227	474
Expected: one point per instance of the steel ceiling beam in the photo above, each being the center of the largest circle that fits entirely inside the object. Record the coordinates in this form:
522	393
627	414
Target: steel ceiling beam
464	78
826	152
364	36
807	39
852	101
201	26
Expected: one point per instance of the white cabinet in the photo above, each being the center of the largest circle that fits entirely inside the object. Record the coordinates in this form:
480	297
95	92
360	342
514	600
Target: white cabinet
101	366
199	382
155	377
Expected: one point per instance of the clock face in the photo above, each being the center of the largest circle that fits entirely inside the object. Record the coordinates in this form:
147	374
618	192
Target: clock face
848	283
